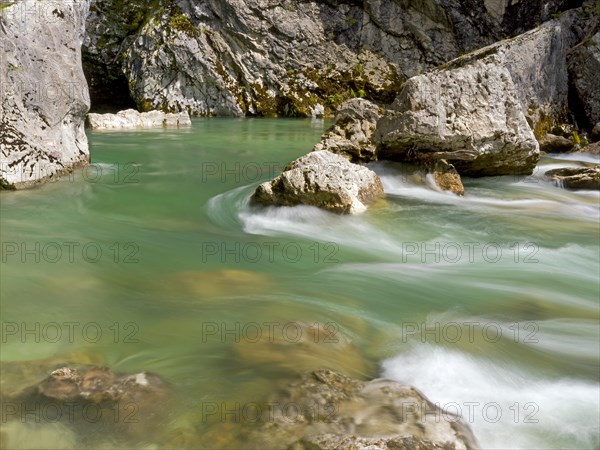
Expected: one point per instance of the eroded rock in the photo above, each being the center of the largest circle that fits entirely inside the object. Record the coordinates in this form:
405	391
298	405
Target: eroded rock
576	177
132	119
325	180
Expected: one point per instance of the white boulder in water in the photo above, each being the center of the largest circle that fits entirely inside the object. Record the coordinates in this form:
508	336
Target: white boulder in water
131	119
325	180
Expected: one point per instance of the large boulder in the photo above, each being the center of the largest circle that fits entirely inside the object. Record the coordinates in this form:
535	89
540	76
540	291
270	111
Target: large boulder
132	119
332	411
482	111
469	116
584	67
352	133
44	94
325	180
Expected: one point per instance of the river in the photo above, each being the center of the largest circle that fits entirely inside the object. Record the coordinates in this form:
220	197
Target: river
489	304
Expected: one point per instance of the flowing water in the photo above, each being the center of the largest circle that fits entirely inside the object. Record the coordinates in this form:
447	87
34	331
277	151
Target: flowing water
489	303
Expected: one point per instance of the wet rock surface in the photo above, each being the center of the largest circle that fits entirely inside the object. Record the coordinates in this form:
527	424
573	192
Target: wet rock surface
334	411
576	177
447	178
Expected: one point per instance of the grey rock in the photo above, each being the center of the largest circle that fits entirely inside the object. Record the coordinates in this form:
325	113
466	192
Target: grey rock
551	143
576	177
468	115
44	96
131	119
325	180
337	412
584	67
352	134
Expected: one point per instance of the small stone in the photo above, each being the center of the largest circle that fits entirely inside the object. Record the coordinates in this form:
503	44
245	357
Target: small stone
447	178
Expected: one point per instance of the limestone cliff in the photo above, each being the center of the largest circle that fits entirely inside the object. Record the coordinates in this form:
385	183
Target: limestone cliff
44	95
291	58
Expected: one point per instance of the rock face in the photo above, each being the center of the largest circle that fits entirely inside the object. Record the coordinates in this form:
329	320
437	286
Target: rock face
249	57
234	57
44	96
352	134
584	67
555	144
577	177
325	180
469	116
131	119
335	412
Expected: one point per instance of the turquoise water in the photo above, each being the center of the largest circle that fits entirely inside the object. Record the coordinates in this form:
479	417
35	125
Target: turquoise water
157	257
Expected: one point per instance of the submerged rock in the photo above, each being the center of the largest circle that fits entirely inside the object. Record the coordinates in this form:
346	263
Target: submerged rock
301	346
551	143
132	119
584	67
352	134
44	94
332	411
576	177
127	403
325	180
